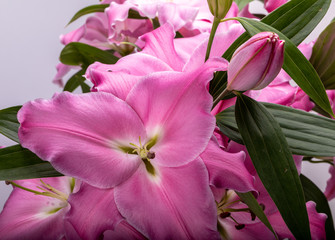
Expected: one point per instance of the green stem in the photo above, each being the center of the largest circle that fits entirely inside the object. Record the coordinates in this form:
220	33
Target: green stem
215	25
221	96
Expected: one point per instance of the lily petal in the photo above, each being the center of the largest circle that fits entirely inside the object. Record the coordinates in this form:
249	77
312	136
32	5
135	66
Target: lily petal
82	135
176	203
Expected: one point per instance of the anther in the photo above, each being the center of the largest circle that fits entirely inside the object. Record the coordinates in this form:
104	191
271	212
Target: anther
262	206
225	214
239	226
253	216
7	182
151	155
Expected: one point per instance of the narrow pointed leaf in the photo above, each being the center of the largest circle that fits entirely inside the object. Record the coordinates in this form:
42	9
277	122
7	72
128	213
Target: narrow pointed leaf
296	65
323	57
20	163
80	54
88	10
313	193
75	81
307	134
8	123
295	19
249	199
273	161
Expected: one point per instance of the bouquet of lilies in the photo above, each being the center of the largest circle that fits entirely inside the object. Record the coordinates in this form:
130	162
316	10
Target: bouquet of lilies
190	120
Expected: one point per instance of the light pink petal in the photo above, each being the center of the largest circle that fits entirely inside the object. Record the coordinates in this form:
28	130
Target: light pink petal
81	135
330	189
34	216
176	203
159	43
93	211
119	78
62	70
175	108
227	170
220	44
123	231
186	45
178	15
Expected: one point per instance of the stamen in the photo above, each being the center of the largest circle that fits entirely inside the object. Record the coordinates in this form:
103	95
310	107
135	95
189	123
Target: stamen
225	214
239	226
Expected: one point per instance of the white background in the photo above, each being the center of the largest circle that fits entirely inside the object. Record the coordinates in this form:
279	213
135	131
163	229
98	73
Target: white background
29	50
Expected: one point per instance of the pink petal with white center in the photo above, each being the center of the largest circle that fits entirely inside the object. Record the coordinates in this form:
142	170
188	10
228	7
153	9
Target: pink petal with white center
29	216
159	43
92	212
330	188
81	135
176	203
175	109
227	170
123	231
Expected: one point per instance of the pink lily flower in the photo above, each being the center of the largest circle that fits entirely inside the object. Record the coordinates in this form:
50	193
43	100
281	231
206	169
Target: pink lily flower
140	147
36	209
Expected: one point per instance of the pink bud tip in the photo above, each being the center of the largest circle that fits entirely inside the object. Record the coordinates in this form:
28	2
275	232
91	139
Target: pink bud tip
256	62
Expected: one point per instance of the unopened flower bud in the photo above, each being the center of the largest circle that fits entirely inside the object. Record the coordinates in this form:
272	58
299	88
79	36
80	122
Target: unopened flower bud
256	63
219	8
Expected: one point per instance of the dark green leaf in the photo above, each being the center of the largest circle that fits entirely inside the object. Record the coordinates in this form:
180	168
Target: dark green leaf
307	134
323	57
85	88
313	193
273	161
88	10
135	15
249	199
80	54
19	163
295	19
296	65
75	81
8	122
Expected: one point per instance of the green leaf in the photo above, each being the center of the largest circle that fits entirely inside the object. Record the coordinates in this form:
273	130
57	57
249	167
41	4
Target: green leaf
273	161
295	19
323	57
249	199
88	10
242	3
135	15
80	54
19	163
307	134
9	125
296	65
313	193
75	81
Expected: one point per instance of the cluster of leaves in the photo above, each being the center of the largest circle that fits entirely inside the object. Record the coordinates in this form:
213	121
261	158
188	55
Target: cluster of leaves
271	133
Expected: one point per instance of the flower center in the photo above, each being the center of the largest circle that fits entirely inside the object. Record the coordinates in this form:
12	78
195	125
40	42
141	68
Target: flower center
145	154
